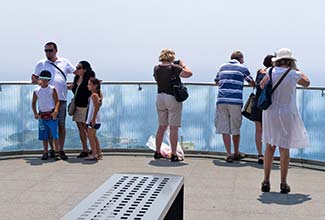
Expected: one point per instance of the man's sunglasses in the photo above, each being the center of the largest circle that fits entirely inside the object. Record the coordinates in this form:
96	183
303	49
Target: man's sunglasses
48	50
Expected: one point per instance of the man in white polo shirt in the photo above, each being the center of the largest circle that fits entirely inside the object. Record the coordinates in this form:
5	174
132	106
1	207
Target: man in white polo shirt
59	68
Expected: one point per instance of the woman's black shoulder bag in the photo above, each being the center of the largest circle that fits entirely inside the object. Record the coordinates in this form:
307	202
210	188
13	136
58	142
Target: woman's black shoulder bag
180	91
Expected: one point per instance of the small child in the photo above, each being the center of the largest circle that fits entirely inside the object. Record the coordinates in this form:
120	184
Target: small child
93	118
48	108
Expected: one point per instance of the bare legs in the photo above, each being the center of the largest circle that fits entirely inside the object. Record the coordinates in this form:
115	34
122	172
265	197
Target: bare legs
160	136
235	140
258	137
227	143
268	161
46	145
94	144
284	163
173	137
61	136
82	127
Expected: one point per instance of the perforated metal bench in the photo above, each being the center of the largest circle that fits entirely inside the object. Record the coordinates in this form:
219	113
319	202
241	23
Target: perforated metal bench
133	197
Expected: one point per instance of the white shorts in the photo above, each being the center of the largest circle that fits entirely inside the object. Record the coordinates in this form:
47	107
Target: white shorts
169	110
228	119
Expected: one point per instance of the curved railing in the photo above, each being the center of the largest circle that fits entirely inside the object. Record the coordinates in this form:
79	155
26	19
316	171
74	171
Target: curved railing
129	117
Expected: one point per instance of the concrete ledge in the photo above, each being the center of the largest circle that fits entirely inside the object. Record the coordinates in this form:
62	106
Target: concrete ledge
310	164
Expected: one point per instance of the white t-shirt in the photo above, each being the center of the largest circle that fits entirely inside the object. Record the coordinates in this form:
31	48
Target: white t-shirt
58	80
45	98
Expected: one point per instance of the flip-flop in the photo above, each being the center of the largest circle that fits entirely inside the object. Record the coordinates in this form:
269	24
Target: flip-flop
91	158
229	159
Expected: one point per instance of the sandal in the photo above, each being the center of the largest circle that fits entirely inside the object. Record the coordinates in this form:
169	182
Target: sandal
100	156
157	155
285	188
174	158
260	159
82	154
57	156
91	158
45	156
266	187
238	156
229	159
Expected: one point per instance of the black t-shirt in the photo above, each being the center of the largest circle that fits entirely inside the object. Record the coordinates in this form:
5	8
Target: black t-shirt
259	78
82	94
163	75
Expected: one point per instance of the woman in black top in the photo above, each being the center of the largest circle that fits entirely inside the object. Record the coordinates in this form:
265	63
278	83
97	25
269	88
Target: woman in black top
256	112
83	73
169	110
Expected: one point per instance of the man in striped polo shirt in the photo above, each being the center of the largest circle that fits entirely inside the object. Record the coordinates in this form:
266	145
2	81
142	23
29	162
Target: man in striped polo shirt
230	79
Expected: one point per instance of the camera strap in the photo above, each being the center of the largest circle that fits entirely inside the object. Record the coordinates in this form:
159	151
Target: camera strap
65	77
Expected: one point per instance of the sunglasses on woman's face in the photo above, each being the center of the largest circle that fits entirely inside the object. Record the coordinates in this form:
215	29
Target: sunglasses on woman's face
48	50
78	67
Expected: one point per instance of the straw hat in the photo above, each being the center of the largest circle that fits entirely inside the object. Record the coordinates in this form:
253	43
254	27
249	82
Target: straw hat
283	53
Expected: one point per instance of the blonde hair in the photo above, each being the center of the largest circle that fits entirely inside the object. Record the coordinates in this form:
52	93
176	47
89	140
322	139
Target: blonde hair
287	62
237	55
167	55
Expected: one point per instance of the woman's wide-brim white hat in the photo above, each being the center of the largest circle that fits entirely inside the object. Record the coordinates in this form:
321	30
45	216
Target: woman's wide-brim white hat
283	53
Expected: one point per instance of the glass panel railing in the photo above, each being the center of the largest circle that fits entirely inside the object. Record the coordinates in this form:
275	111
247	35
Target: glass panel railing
129	117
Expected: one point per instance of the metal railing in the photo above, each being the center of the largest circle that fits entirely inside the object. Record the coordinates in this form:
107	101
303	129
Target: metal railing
129	118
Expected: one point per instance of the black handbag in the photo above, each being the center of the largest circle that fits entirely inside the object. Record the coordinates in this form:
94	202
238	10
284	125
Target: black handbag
179	90
265	99
247	110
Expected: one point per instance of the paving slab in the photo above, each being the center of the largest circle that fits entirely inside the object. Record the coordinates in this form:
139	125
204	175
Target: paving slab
33	189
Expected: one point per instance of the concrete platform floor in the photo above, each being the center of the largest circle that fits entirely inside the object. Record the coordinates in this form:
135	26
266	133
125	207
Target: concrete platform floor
32	189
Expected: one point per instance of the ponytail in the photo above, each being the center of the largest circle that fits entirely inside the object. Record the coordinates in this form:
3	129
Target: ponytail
96	82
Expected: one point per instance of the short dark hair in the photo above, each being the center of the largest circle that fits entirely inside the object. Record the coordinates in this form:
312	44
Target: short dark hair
45	74
268	61
237	55
53	44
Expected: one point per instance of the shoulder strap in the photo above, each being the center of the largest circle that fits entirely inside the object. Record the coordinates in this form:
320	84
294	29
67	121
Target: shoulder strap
281	79
270	73
75	94
172	69
65	77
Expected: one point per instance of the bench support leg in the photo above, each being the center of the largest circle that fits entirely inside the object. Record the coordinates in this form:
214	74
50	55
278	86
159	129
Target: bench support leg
176	211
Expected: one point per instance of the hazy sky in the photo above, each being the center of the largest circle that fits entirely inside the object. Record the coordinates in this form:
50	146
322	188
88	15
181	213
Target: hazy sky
122	39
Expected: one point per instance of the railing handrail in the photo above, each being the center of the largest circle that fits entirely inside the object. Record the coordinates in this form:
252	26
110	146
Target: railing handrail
321	88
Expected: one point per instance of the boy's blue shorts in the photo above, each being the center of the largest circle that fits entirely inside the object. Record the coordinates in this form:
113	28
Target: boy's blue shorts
47	128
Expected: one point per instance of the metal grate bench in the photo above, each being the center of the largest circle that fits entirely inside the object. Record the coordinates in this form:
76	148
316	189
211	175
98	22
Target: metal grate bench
133	197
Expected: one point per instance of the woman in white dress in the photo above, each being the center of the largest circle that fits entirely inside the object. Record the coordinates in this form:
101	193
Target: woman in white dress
282	124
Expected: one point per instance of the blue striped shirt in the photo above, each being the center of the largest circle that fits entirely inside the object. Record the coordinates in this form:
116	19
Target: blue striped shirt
231	78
